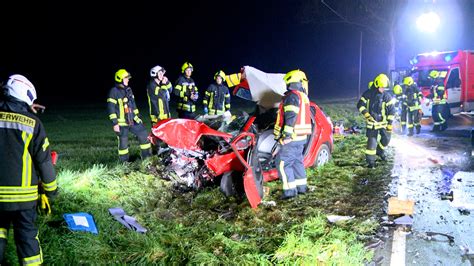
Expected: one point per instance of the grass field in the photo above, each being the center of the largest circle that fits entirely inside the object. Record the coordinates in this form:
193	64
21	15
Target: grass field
202	227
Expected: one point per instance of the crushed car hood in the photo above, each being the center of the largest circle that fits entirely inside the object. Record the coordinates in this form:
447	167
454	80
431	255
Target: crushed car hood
185	133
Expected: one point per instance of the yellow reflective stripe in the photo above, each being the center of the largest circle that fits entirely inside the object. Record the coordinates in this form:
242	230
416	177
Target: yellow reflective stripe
111	100
122	124
384	117
33	260
211	103
166	87
18	190
227	95
382	146
301	182
50	186
284	178
45	144
362	108
233	79
410	125
291	108
112	116
161	109
3	233
363	99
19	198
123	152
145	146
227	106
370	152
288	129
208	93
390	117
135	111
121	110
26	167
392	101
182	92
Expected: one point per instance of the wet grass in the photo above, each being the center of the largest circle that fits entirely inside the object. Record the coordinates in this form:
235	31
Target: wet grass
203	227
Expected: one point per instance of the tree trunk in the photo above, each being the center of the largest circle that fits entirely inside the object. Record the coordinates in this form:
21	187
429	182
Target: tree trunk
391	51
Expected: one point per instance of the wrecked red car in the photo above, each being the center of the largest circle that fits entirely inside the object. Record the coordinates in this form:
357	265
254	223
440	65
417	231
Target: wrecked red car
237	155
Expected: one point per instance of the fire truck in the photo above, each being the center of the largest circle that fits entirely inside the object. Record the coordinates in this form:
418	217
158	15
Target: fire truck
457	68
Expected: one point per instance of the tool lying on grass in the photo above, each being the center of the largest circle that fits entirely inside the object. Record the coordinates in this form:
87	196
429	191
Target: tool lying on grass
128	221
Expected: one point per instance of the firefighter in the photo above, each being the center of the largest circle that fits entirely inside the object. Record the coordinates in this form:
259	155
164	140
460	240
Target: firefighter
413	105
378	108
27	172
187	92
293	125
401	107
158	91
438	94
124	114
217	97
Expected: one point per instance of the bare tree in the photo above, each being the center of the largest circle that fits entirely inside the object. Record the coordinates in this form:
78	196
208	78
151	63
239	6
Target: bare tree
377	17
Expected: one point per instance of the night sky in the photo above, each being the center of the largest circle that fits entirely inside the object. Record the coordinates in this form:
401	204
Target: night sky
70	50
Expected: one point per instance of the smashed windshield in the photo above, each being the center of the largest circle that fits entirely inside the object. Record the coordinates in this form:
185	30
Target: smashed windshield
236	125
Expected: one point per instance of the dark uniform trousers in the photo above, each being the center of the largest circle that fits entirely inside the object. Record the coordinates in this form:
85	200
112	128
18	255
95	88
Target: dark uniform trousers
414	118
403	118
377	141
25	233
186	114
439	114
138	130
291	168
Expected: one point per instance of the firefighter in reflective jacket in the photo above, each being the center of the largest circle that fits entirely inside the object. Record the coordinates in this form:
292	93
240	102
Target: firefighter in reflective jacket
27	172
378	108
124	114
217	97
413	105
187	92
158	91
400	106
439	111
292	127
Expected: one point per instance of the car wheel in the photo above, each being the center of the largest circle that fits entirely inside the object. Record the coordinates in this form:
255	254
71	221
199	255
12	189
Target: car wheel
232	184
323	156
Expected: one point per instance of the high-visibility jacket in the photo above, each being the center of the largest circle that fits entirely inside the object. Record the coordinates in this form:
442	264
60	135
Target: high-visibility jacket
413	97
293	117
25	158
439	93
121	106
184	88
217	99
158	100
379	106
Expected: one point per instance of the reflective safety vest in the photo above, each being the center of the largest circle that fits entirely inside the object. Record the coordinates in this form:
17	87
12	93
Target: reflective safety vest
297	129
439	94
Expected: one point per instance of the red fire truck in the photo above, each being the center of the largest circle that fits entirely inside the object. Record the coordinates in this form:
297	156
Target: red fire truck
458	69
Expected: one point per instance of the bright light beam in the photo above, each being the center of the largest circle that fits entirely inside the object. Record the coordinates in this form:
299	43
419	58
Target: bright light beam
428	22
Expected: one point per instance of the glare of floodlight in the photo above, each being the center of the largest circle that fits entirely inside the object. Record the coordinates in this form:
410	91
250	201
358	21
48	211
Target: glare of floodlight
428	22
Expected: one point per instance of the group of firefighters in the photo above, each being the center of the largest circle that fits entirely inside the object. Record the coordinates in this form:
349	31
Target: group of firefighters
124	114
27	176
379	109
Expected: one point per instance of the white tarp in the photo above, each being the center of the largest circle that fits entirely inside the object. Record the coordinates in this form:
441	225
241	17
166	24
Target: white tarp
266	88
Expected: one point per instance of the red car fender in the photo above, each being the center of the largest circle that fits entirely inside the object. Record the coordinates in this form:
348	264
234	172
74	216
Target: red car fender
221	163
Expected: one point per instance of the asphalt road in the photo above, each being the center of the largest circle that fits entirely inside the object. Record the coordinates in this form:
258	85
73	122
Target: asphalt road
427	168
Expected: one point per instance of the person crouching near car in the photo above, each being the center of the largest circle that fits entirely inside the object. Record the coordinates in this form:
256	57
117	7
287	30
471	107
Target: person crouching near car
292	127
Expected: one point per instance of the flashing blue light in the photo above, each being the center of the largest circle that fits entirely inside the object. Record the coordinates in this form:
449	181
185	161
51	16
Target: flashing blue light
448	58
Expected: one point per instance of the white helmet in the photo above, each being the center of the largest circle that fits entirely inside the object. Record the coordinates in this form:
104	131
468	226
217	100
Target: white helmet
154	71
21	88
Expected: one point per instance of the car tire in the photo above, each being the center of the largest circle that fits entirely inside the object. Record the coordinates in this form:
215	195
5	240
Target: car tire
231	184
323	155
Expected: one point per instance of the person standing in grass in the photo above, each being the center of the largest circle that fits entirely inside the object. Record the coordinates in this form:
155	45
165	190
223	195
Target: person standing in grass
378	108
158	91
217	97
292	127
124	114
26	169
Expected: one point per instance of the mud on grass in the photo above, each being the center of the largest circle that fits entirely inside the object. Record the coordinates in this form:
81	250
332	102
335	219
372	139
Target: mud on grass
205	227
